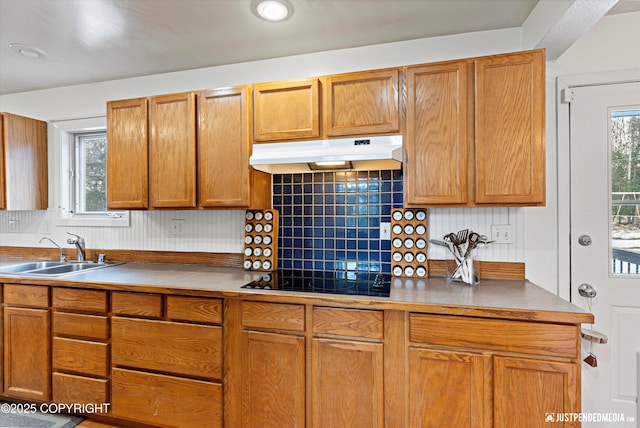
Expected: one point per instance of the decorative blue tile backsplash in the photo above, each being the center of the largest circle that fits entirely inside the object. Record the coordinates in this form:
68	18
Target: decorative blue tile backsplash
331	220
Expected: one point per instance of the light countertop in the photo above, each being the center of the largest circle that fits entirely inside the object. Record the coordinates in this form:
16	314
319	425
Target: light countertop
493	298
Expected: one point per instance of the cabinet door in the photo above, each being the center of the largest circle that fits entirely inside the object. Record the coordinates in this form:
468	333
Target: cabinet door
361	103
172	151
538	388
347	384
286	110
509	128
448	389
25	163
27	355
437	146
127	154
224	144
273	380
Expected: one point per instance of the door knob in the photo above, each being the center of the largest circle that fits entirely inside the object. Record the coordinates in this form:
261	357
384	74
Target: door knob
584	240
586	290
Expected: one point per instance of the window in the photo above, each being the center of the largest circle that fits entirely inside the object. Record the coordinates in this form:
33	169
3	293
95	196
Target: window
80	178
89	173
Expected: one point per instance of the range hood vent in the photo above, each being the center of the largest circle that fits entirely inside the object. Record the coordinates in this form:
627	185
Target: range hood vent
361	153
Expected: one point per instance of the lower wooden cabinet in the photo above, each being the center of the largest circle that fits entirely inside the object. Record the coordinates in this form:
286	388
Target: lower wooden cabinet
27	344
188	361
167	401
273	381
525	390
347	383
68	388
449	388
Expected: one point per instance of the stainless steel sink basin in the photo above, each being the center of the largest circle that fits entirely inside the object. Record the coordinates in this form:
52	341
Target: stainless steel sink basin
53	268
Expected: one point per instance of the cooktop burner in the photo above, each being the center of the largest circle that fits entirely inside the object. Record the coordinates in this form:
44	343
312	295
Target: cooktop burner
357	283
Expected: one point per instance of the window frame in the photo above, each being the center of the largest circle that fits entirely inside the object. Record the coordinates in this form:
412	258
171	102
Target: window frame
62	157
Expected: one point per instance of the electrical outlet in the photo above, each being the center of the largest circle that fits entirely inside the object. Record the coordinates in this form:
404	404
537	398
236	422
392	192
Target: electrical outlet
385	231
503	233
178	226
14	226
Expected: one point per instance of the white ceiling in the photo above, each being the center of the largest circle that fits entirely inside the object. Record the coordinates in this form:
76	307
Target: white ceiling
97	40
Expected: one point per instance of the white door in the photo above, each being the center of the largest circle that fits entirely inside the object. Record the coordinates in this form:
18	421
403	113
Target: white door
605	204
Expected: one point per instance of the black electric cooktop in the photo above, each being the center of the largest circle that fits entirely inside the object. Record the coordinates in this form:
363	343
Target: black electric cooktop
341	282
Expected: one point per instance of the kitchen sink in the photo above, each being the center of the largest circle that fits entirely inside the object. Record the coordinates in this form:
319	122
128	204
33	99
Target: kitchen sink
53	268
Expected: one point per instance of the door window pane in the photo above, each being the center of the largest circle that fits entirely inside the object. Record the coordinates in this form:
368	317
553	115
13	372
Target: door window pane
625	191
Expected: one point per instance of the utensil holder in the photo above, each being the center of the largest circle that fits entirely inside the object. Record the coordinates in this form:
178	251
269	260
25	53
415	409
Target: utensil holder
461	270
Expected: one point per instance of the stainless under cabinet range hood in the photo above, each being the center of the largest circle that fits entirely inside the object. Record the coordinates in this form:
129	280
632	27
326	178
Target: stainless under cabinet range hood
361	153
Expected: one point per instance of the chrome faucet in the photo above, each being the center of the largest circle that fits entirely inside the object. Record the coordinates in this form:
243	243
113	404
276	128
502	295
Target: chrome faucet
62	256
78	241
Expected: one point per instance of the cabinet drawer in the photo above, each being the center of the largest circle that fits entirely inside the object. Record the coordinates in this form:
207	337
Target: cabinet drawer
184	349
281	316
78	389
80	325
36	296
195	309
497	335
80	356
80	300
136	304
166	400
348	322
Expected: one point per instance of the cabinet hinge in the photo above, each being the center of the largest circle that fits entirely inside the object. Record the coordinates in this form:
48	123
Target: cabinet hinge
566	96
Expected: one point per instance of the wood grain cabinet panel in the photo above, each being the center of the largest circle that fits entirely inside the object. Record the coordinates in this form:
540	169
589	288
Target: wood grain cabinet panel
510	128
27	353
225	179
23	163
166	401
74	299
80	356
475	132
438	141
537	388
279	316
35	296
449	389
194	309
172	151
128	154
80	325
178	348
71	389
361	103
286	110
145	305
348	322
556	340
347	384
273	380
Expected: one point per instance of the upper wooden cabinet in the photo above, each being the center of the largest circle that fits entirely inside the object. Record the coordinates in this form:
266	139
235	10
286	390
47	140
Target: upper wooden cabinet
475	132
286	110
23	163
509	127
127	154
224	146
160	152
361	103
438	135
172	151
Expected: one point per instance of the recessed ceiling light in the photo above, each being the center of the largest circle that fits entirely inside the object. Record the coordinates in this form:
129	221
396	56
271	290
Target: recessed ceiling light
272	10
27	51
